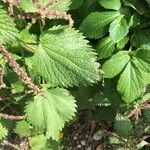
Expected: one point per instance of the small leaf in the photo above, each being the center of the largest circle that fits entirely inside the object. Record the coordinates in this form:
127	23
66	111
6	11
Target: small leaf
123	126
115	64
131	83
97	23
118	29
38	142
123	42
23	128
110	4
3	132
64	58
51	111
105	47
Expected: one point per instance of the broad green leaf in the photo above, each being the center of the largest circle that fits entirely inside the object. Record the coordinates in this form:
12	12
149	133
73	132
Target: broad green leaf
131	83
76	3
50	111
23	128
105	47
118	29
96	24
64	58
110	4
141	37
123	126
3	132
8	31
115	64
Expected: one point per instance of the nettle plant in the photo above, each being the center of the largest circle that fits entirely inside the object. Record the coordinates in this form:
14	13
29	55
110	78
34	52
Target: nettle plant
49	70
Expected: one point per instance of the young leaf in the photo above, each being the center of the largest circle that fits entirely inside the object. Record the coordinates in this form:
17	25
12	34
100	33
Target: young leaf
3	132
38	142
118	29
96	24
51	111
123	42
23	128
105	47
131	83
64	58
110	4
123	126
8	31
116	64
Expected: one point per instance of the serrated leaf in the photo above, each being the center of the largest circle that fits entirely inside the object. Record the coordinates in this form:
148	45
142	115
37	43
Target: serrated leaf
115	64
23	128
110	4
131	83
105	47
123	126
38	142
64	58
51	111
8	31
118	29
28	6
3	132
96	24
123	42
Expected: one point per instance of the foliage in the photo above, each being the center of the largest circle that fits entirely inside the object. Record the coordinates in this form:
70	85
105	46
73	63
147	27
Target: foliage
50	69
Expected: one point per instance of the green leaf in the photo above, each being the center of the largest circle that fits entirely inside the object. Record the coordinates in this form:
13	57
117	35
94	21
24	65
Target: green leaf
96	24
51	111
144	54
142	37
116	64
64	58
148	1
123	126
131	83
3	132
23	128
146	113
8	31
118	29
110	4
123	42
38	142
76	3
105	47
28	6
140	6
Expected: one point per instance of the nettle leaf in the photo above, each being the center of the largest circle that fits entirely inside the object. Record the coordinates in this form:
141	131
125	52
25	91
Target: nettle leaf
105	47
23	128
51	111
3	132
148	1
97	23
28	5
64	58
118	29
123	42
131	83
115	64
123	126
110	4
8	31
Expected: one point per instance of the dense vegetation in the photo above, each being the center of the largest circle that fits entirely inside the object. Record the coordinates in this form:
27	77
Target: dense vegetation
58	57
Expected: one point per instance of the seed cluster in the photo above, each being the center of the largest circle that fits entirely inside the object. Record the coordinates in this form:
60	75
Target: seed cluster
20	71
